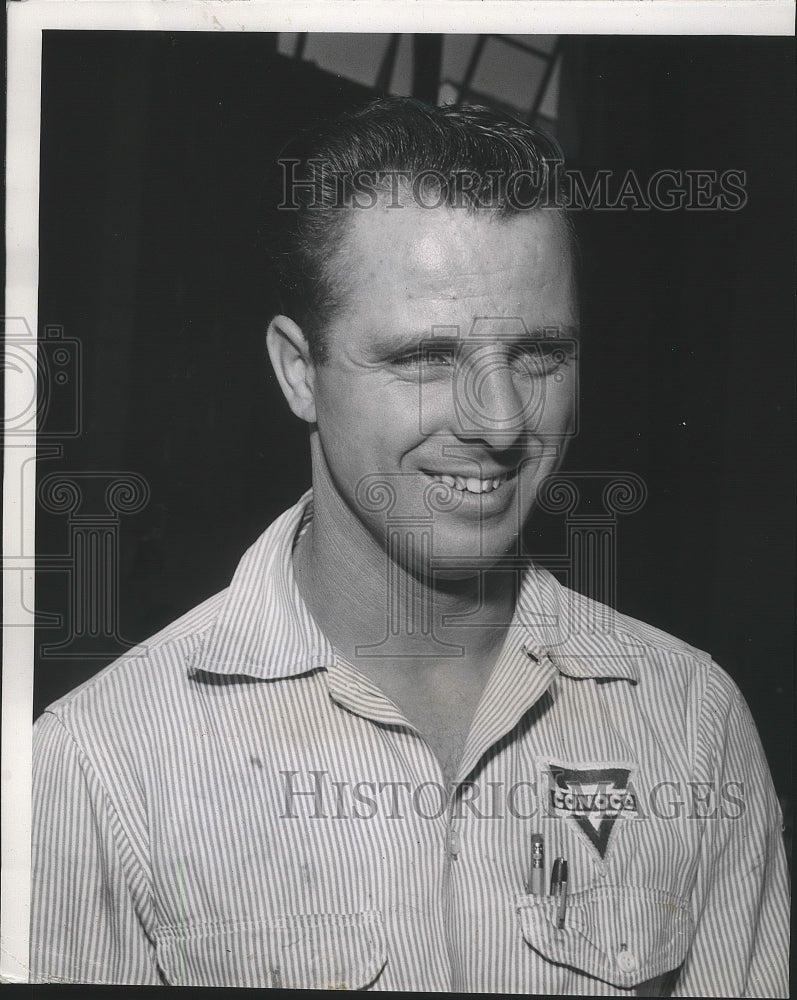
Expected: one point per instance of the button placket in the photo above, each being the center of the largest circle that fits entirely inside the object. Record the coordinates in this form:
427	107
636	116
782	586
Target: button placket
454	842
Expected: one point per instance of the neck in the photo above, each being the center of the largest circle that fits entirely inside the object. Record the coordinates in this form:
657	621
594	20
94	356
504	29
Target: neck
372	603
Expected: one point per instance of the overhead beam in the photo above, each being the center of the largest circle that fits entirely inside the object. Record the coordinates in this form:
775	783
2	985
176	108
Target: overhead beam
427	58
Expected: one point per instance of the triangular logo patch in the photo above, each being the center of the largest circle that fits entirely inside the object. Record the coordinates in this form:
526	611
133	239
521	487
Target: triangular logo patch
594	798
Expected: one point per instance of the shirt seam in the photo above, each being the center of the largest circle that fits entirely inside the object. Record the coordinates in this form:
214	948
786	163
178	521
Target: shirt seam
108	801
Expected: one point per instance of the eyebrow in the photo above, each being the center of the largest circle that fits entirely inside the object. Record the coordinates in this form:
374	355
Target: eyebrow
398	344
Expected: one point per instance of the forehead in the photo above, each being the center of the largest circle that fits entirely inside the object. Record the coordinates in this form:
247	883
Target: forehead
445	265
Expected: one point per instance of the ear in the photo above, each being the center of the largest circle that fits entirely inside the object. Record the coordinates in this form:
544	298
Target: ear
290	357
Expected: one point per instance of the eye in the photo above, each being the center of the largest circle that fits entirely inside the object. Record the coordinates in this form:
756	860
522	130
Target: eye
540	358
411	360
439	356
427	359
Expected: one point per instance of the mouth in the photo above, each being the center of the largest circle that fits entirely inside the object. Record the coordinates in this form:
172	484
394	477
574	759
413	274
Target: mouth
471	484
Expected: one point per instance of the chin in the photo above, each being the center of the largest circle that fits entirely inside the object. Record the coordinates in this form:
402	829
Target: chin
461	562
459	574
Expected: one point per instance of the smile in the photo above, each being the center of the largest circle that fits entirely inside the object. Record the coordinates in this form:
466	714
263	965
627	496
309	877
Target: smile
470	484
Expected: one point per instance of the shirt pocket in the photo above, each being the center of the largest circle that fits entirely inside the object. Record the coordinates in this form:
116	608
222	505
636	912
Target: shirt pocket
626	936
305	951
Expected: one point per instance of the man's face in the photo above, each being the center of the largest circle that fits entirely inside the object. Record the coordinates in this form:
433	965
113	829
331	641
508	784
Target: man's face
444	368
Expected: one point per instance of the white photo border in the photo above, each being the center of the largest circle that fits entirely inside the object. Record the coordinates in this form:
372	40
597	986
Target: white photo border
26	21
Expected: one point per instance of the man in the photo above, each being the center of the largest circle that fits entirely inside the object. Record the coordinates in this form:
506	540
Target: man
333	773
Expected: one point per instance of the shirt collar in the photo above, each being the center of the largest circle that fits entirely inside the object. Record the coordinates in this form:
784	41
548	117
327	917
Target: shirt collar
265	630
583	638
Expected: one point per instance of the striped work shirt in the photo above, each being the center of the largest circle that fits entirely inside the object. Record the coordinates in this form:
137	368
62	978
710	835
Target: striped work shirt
233	803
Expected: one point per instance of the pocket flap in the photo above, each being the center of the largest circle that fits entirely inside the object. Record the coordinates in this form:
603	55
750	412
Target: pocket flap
305	951
622	935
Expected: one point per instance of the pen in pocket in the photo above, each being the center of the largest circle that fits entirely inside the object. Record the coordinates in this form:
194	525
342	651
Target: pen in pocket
559	890
536	882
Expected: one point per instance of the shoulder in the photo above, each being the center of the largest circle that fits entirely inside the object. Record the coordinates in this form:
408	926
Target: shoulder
147	695
665	666
679	680
676	688
668	659
149	680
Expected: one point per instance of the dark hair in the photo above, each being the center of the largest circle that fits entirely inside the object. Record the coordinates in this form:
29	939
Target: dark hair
459	156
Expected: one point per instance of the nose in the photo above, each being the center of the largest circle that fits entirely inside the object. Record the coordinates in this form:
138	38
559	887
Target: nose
492	400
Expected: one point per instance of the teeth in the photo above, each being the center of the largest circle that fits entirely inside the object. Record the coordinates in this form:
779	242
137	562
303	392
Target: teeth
471	484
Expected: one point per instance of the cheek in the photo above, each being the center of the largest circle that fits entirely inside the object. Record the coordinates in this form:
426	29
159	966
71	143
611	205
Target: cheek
341	408
357	427
559	405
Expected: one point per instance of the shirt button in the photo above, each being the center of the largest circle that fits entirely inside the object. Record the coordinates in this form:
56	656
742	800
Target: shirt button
627	961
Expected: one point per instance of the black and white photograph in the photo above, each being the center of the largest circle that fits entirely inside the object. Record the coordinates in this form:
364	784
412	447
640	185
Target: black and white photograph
399	501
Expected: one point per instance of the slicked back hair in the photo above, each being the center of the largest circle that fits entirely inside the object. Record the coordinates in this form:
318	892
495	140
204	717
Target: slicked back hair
462	157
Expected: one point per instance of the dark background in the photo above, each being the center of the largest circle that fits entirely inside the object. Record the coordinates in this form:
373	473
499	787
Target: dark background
154	215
